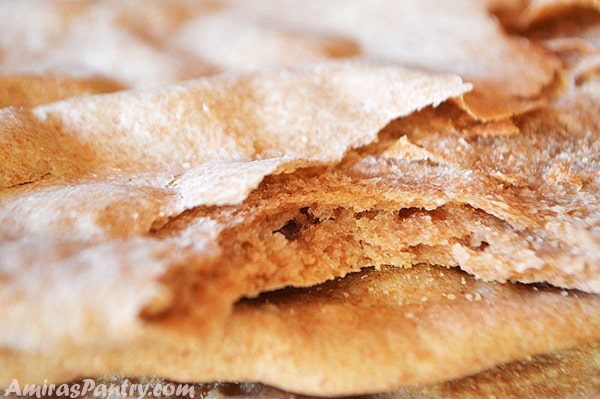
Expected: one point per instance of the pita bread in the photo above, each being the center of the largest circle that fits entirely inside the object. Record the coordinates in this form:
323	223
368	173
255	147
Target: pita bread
170	42
407	199
208	257
209	193
113	167
560	375
424	324
506	72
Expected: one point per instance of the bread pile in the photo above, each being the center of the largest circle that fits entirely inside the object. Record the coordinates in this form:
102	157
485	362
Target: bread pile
398	199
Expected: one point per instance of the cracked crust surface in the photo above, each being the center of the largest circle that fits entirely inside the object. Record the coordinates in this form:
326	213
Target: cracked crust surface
115	166
206	194
401	200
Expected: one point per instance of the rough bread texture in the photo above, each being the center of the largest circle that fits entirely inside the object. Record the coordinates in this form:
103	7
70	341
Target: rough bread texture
153	232
109	169
417	194
511	201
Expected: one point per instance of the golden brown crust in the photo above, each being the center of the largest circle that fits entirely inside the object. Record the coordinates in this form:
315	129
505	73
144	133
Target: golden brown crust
569	373
408	199
410	220
168	208
369	332
119	164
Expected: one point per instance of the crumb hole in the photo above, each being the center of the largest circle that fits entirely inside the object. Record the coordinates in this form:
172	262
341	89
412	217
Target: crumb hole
407	212
366	214
290	230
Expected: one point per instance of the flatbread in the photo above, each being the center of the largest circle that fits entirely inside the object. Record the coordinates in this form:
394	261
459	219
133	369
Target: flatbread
190	124
553	375
112	168
408	199
175	211
174	41
509	74
200	261
564	374
369	332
